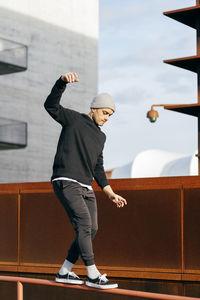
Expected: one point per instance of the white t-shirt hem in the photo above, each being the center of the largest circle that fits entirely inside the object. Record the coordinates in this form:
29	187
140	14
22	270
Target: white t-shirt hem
89	187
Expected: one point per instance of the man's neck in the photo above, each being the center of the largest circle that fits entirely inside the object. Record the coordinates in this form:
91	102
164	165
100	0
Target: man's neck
90	116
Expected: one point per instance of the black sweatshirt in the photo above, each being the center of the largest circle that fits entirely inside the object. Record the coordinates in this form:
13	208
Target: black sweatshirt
79	151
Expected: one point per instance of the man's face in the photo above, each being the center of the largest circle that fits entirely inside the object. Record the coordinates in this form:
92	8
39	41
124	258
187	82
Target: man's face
101	115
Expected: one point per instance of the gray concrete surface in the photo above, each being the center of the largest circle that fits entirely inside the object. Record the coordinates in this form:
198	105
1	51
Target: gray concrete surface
52	50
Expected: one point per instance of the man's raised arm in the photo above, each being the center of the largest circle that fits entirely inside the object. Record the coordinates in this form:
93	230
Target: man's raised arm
52	103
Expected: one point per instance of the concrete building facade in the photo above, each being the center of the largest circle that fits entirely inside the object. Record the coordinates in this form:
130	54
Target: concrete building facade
60	36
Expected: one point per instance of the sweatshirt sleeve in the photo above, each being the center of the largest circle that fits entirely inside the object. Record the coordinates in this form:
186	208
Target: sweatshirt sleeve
99	173
52	105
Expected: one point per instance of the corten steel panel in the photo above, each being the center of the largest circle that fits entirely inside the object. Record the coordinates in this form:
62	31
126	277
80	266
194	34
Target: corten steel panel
110	250
120	184
8	290
9	228
9	188
192	289
131	183
45	229
153	286
192	228
144	234
33	292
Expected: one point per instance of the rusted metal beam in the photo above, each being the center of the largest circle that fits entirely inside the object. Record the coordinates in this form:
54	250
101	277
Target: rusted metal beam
19	290
123	292
198	81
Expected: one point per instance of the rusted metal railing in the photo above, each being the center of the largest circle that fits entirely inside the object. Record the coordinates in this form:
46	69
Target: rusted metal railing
123	292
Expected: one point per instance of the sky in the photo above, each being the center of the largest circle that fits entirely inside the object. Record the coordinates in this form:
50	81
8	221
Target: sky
134	39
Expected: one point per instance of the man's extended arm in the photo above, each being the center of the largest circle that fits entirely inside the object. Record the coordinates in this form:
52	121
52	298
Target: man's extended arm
102	181
117	199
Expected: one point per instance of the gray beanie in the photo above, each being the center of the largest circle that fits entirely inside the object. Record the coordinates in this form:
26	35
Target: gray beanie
103	100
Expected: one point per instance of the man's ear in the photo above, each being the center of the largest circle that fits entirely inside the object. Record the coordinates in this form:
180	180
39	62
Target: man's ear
93	110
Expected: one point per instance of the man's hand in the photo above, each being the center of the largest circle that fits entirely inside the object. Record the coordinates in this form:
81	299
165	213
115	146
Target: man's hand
70	77
118	200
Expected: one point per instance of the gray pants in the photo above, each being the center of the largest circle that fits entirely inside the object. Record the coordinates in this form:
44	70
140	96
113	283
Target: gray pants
80	205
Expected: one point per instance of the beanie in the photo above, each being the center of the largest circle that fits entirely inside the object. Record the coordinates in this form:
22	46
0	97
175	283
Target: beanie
103	100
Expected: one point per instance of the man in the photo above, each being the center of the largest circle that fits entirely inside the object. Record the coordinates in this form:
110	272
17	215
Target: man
78	160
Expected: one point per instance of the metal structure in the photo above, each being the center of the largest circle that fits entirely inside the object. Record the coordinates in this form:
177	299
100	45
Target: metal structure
122	292
13	134
13	57
191	17
160	232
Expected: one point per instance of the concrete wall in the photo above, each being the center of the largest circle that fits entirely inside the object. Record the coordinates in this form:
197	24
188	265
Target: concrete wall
61	36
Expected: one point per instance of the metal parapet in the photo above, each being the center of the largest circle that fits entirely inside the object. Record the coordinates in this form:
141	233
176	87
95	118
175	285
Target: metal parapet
13	57
122	292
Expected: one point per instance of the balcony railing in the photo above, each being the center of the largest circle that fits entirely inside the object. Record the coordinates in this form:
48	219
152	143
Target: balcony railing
13	57
13	134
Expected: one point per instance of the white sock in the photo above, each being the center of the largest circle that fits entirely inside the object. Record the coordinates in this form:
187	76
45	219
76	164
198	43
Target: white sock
66	267
93	271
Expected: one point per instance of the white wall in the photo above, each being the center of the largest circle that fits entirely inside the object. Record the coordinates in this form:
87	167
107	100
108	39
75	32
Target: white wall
75	15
